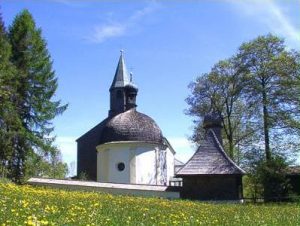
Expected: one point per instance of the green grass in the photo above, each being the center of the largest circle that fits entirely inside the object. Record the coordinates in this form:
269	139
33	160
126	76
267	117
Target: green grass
26	205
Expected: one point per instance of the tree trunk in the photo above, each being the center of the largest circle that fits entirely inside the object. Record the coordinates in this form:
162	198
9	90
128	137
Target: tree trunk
231	147
266	123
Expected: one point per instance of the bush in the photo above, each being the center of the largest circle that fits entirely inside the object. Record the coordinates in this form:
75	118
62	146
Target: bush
4	180
272	174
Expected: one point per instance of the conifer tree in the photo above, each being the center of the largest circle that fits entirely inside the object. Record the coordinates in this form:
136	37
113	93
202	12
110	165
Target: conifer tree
9	123
36	86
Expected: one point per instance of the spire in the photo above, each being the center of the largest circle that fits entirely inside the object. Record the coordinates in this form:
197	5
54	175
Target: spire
121	78
213	121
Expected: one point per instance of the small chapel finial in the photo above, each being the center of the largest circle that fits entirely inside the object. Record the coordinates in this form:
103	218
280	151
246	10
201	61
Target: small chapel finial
130	76
121	51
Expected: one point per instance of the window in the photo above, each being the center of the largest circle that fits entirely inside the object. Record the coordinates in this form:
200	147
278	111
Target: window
121	166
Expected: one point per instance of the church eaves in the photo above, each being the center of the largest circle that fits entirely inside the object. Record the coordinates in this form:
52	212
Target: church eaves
121	78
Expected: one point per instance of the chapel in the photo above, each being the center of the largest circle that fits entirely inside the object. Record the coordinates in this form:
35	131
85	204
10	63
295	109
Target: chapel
210	174
127	146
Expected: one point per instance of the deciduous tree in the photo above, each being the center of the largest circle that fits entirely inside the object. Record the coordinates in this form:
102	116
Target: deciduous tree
273	86
220	91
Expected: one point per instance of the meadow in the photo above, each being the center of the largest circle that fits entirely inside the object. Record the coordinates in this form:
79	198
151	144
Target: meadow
27	205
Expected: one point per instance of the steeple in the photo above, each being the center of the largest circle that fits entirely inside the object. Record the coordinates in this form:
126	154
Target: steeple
122	91
213	121
121	78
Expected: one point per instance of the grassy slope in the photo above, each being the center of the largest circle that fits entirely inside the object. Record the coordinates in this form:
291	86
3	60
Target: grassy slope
21	205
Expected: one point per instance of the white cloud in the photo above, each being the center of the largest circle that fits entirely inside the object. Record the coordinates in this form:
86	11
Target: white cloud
101	33
274	16
110	29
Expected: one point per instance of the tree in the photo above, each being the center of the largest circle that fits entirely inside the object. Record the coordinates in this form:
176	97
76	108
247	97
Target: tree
46	165
220	91
35	86
10	125
272	174
273	86
257	94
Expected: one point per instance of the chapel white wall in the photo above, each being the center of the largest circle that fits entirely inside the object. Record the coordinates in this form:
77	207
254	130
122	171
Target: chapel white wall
146	167
170	164
141	163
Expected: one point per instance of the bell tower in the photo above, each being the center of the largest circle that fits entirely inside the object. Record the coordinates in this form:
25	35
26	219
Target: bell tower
131	91
122	91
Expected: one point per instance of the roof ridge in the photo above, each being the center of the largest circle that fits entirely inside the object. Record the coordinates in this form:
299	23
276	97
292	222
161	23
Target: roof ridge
220	146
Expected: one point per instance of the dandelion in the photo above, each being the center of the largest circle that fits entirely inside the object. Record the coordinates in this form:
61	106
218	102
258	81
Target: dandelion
26	205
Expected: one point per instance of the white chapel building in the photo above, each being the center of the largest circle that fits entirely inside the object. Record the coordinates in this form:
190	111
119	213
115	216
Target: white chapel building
127	146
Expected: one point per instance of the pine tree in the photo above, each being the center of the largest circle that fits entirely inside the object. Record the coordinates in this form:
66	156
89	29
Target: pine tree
36	86
9	123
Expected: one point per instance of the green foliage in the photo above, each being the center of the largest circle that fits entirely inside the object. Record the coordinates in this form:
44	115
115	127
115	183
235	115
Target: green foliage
83	176
28	85
252	185
48	166
252	188
266	179
37	82
10	125
4	180
272	87
220	91
257	94
272	175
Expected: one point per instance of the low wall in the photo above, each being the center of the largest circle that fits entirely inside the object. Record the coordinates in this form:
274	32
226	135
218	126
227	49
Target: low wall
112	188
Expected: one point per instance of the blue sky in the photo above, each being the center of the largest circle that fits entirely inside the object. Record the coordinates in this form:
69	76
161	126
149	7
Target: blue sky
167	45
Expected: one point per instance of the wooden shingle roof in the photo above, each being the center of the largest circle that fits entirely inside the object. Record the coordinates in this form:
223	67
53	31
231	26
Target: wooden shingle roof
209	159
121	78
131	125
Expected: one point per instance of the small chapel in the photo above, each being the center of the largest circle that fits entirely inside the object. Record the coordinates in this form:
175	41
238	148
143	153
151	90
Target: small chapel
210	174
128	146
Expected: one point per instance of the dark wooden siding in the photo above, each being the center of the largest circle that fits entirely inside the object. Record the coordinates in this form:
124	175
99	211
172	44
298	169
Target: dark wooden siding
295	183
87	153
212	187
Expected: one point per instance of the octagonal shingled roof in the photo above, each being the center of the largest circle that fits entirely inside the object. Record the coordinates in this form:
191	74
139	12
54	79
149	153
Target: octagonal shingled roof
210	158
131	125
